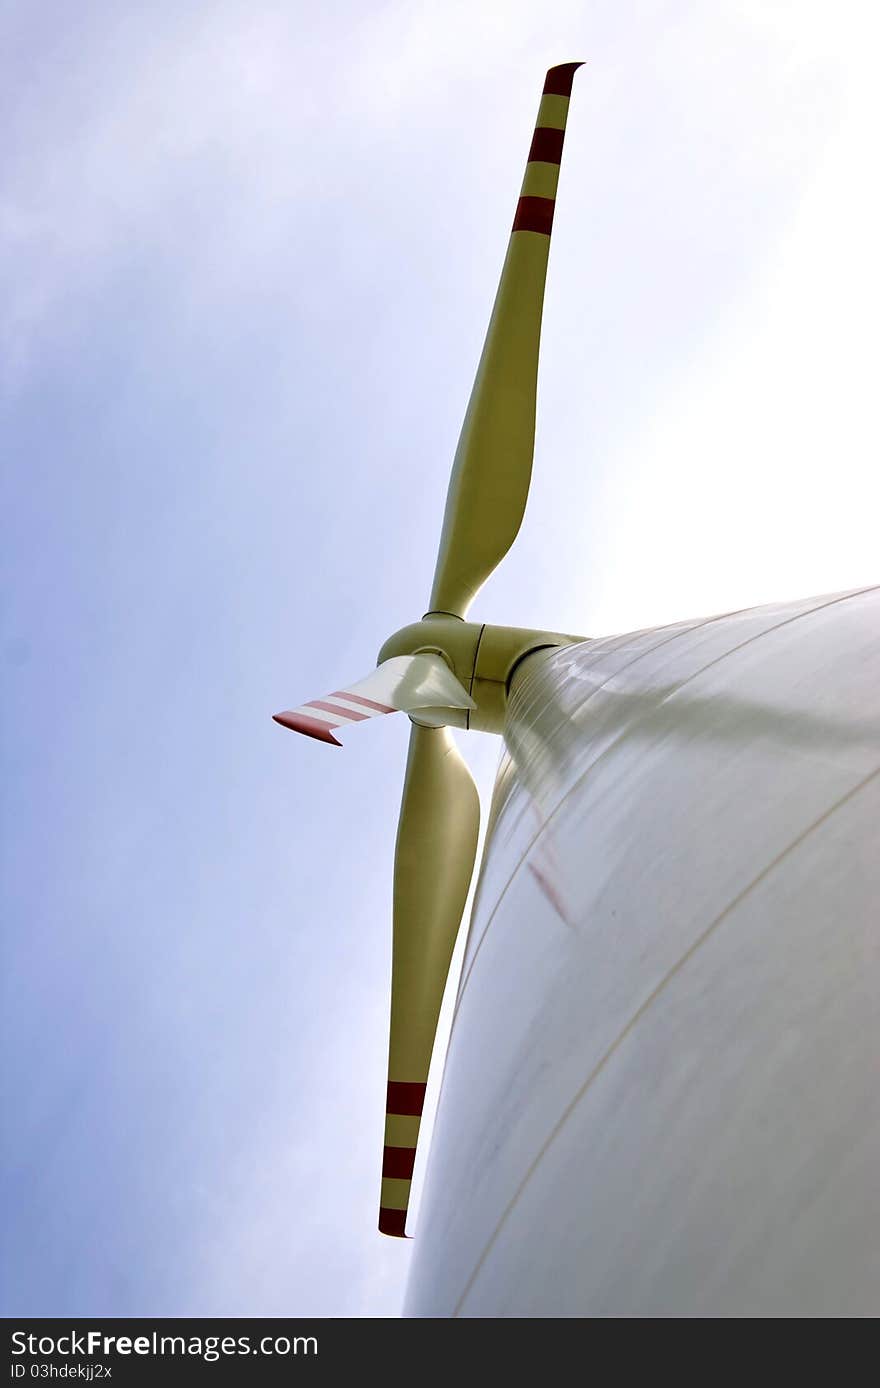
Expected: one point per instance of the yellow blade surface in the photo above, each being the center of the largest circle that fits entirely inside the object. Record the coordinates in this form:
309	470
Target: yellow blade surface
434	860
493	462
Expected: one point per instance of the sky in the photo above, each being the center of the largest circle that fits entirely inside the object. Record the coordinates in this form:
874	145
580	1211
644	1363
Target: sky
249	252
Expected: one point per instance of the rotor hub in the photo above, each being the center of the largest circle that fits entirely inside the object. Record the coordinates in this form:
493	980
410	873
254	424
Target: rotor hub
482	657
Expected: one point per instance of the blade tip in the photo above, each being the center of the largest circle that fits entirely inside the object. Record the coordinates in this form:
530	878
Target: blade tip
393	1223
295	724
559	78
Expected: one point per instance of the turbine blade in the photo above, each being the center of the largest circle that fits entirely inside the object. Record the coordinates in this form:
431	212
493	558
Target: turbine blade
405	682
493	462
434	860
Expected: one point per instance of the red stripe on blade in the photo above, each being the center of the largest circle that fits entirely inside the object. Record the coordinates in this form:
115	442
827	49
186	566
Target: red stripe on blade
312	727
359	699
534	214
546	145
405	1098
334	708
392	1222
398	1162
559	79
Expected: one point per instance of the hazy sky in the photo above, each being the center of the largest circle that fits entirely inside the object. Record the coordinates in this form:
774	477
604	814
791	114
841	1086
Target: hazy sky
249	253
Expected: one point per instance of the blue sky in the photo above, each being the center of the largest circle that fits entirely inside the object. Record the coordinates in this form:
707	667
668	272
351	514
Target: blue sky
249	253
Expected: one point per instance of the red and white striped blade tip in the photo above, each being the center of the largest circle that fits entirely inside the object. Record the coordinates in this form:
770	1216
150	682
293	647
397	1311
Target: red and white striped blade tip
312	727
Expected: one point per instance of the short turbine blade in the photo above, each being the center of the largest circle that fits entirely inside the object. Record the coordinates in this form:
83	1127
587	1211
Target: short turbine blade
407	683
493	462
434	860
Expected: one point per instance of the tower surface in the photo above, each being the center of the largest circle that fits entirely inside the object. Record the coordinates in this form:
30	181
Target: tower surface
660	1097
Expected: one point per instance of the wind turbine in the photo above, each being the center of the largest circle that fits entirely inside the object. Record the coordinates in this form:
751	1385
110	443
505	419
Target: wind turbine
445	671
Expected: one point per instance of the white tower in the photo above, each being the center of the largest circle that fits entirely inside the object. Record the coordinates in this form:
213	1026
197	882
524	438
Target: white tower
661	1091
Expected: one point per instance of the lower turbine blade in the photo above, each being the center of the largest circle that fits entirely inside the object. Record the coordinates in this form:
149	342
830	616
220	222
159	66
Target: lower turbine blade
434	860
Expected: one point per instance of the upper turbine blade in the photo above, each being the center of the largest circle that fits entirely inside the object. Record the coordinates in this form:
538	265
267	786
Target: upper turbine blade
405	682
434	860
493	462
